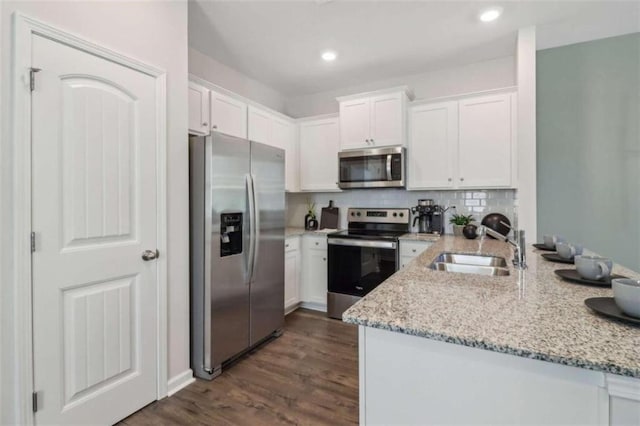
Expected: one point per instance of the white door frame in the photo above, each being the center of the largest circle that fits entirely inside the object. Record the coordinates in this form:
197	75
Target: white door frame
24	27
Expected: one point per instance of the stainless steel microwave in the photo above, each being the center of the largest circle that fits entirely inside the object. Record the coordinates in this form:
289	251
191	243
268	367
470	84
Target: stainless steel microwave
372	168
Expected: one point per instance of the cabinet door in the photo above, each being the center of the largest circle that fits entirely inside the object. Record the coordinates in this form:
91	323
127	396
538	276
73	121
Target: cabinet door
432	151
388	122
316	277
485	141
318	147
228	115
291	281
198	109
283	135
259	125
354	124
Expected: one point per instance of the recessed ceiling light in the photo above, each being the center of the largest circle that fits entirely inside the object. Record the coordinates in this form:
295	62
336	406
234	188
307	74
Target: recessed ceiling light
329	55
490	14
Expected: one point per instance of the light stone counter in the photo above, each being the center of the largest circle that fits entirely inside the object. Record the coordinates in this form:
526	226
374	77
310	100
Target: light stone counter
532	314
414	236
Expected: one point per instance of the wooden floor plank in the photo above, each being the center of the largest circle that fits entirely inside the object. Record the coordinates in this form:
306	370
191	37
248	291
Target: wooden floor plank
307	376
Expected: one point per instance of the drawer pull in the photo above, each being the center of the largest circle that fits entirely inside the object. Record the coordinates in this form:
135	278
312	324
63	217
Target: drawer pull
413	250
317	243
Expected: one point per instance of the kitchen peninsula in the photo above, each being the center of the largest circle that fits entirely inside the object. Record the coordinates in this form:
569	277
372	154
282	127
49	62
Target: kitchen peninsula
442	348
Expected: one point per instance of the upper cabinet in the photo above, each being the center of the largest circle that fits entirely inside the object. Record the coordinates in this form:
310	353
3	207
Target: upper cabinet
319	146
228	115
198	109
486	141
259	125
466	143
433	146
373	120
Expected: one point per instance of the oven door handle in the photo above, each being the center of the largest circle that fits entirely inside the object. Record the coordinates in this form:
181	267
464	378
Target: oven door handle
362	243
389	175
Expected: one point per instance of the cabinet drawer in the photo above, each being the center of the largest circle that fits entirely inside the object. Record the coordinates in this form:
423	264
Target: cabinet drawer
291	243
319	243
413	248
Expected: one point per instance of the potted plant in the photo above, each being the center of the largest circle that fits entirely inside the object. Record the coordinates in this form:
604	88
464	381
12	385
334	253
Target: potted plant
310	221
459	221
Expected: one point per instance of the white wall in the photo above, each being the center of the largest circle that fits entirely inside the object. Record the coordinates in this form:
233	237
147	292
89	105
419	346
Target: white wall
153	32
474	77
217	73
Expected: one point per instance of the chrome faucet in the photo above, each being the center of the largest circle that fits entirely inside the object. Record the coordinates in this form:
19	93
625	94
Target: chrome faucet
519	245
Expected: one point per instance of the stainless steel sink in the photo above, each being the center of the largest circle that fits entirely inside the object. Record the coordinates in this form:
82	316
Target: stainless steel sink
471	259
471	264
469	269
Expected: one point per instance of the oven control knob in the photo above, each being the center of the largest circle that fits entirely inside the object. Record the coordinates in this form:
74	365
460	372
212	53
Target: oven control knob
358	214
352	213
395	214
401	214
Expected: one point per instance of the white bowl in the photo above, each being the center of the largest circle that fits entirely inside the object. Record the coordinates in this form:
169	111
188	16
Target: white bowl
626	292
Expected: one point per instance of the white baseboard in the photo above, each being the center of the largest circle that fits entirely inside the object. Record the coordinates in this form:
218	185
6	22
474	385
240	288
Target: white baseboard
322	307
180	381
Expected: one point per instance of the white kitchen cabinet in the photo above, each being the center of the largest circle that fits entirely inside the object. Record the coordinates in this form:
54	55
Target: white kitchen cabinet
433	146
314	272
486	135
292	271
259	125
466	143
373	120
318	146
198	109
228	115
283	135
409	250
278	131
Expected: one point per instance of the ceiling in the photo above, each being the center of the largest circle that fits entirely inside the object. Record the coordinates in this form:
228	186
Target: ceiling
279	42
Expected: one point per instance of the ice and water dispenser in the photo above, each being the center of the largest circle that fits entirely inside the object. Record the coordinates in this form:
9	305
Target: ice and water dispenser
230	234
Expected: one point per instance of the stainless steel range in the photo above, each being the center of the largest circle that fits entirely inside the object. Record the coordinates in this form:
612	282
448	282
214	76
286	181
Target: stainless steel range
364	255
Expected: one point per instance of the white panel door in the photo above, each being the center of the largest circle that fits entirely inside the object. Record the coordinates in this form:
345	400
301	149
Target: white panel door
432	151
259	125
198	109
319	155
94	213
485	142
354	124
387	120
228	115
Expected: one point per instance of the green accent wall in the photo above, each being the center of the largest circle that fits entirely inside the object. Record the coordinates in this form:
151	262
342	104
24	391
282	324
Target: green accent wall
588	145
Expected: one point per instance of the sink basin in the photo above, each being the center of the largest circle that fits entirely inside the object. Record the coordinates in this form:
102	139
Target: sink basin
471	259
470	269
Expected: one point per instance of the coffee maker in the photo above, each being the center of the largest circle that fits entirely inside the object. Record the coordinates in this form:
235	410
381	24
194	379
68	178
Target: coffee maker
430	217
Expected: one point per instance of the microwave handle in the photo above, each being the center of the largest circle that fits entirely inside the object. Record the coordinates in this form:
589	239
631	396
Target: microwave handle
389	175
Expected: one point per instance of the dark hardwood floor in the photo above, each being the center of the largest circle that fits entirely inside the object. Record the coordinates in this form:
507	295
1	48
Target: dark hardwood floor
307	376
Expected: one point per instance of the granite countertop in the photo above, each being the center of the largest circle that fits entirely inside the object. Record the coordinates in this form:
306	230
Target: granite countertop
293	231
413	236
531	313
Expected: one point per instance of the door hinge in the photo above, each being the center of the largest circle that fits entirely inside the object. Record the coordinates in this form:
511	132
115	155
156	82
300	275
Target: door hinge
34	398
32	77
33	242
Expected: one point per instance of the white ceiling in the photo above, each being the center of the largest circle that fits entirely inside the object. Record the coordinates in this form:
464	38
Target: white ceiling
279	43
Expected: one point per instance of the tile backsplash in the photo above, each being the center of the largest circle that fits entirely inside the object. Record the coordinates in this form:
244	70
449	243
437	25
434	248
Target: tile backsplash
477	202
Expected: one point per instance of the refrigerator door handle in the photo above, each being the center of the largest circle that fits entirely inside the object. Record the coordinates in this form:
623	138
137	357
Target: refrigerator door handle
252	226
256	228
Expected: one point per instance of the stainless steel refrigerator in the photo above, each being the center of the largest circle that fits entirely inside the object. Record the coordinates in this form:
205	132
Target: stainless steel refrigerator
237	248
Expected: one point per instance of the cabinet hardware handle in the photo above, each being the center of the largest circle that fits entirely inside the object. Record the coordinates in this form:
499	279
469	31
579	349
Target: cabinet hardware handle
215	126
324	258
461	179
317	243
450	179
286	245
205	124
366	140
371	140
413	250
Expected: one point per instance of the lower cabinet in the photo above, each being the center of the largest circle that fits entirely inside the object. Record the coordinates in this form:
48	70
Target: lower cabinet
314	272
292	271
409	250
